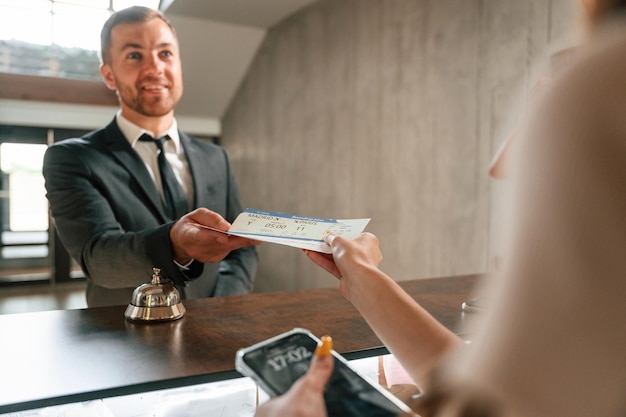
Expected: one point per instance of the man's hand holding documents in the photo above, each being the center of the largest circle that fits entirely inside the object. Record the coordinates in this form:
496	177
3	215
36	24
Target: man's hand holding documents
287	229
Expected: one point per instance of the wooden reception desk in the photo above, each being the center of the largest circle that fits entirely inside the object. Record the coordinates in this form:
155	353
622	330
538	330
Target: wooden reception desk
59	357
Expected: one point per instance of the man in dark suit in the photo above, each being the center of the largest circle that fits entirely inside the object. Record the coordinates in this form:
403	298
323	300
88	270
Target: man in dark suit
112	202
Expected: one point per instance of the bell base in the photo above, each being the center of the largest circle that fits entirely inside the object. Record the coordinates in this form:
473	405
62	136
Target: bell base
154	314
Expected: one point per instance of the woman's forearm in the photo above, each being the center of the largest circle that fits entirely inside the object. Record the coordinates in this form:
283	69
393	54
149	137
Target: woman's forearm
414	336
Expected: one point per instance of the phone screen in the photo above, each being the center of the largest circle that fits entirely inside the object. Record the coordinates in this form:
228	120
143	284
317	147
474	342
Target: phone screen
281	362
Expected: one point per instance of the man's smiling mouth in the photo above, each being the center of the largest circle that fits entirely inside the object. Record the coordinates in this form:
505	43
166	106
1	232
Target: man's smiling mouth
154	87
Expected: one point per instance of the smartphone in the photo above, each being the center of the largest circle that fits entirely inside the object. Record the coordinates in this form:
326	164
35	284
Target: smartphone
276	363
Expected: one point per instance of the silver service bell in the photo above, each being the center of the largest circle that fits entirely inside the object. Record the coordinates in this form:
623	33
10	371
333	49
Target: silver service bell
155	301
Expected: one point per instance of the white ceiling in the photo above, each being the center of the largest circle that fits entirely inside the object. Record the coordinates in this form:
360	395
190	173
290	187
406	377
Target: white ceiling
256	13
218	41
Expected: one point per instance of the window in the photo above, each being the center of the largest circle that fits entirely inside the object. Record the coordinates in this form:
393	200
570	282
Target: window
20	164
58	38
29	247
26	218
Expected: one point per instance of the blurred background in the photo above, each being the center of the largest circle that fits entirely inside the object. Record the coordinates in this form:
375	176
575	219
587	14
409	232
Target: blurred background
387	109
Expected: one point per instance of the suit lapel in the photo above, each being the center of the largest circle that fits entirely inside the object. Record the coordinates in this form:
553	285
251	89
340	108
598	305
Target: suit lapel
127	157
195	166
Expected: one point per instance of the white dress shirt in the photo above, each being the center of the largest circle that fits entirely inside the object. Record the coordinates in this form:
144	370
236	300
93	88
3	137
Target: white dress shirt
174	153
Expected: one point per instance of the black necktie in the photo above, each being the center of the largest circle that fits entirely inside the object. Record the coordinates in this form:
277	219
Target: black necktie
175	198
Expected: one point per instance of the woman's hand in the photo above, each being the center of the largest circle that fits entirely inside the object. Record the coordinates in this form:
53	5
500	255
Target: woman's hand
346	254
349	258
306	396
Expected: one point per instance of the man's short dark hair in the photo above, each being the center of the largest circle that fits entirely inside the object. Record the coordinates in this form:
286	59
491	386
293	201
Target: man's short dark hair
134	14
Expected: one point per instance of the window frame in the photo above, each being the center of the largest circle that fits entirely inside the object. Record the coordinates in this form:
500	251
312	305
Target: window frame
57	266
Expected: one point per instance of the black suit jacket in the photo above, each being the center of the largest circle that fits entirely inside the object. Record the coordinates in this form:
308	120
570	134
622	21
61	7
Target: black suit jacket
109	215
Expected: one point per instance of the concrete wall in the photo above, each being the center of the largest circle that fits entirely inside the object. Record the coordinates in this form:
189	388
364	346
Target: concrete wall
389	109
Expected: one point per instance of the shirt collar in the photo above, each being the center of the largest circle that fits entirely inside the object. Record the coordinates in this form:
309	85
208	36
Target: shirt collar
132	132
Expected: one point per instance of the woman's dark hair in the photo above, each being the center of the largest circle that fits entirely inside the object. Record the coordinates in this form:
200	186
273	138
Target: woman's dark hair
134	14
600	10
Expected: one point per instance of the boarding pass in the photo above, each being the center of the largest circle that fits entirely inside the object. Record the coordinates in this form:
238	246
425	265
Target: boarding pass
291	230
